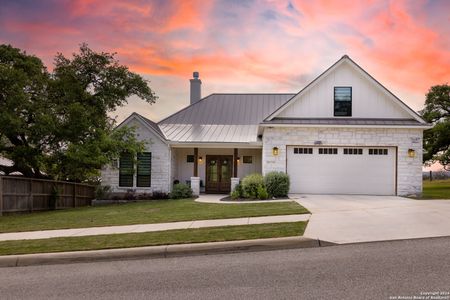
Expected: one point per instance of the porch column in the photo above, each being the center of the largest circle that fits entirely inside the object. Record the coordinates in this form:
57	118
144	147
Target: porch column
195	180
195	162
235	163
235	179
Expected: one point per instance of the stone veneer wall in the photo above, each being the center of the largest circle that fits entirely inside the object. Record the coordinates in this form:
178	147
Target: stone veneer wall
161	166
409	170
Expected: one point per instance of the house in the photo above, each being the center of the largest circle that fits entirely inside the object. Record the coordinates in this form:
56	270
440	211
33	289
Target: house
343	133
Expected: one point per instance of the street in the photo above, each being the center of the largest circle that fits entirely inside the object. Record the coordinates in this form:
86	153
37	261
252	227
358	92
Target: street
382	270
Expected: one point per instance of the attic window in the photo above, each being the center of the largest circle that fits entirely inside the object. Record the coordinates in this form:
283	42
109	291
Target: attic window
343	101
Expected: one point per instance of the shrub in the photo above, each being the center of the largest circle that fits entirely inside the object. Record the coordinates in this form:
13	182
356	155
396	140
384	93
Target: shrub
262	193
181	190
277	184
102	192
237	192
158	195
143	196
250	185
130	195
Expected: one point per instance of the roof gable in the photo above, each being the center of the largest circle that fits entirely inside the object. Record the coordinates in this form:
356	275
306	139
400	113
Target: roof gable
370	99
147	123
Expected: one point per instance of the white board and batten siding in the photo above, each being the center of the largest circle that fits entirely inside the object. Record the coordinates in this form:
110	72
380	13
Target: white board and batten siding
368	99
339	173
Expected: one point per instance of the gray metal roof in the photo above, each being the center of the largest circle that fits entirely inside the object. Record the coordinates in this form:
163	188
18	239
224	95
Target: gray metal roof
232	118
344	121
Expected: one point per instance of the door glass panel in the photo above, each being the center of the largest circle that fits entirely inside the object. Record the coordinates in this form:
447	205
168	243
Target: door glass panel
213	176
225	170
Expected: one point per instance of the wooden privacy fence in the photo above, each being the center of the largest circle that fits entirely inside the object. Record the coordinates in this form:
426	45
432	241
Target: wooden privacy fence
20	194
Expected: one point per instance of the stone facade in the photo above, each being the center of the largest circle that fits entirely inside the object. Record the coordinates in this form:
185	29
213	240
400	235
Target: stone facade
409	170
161	164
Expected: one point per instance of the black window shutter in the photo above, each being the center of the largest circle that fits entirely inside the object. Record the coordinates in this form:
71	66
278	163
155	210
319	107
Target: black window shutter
126	171
144	169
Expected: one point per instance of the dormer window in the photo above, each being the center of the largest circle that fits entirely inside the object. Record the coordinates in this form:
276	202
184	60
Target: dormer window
343	101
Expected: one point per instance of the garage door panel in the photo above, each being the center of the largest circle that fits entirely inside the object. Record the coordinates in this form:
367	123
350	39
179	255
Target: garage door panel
340	173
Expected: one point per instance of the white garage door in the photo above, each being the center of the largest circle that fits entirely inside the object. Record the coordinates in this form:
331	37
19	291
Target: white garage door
342	170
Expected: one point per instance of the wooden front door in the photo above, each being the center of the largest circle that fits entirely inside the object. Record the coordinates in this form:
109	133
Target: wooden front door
219	169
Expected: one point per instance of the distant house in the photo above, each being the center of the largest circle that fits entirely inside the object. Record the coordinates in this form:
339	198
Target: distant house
344	133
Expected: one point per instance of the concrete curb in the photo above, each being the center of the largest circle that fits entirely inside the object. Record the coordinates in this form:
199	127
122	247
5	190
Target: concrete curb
160	251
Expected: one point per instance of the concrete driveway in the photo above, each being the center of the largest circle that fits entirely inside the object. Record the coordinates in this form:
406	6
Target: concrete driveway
353	218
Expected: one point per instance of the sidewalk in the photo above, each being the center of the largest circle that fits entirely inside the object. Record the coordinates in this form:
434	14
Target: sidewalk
46	234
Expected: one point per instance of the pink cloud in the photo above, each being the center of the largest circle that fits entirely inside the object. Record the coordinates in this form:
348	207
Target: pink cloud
243	46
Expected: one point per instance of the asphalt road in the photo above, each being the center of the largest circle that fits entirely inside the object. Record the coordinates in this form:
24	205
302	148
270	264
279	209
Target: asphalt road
382	270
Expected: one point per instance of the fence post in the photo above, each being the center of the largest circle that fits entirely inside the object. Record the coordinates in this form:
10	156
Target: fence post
1	195
30	195
431	175
74	195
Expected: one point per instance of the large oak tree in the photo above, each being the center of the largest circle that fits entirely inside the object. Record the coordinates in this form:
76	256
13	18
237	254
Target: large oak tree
437	111
56	124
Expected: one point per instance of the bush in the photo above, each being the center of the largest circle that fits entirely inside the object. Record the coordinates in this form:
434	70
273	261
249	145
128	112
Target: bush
102	192
237	192
158	195
250	185
130	195
262	193
181	190
277	184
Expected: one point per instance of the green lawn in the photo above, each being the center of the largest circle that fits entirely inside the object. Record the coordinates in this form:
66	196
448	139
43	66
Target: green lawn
157	211
436	189
215	234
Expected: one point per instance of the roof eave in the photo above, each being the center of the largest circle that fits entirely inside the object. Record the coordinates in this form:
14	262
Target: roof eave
418	126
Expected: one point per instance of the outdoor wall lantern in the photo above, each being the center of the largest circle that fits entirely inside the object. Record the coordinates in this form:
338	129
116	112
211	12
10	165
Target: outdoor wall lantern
200	159
238	159
275	151
411	153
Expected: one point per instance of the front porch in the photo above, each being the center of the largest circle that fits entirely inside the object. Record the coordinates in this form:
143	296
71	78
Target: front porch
214	170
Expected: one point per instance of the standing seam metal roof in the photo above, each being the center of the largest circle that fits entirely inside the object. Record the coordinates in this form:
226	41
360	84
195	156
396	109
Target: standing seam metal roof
232	118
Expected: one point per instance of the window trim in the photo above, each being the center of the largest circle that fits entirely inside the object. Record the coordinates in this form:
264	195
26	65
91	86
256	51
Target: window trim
378	151
328	151
245	159
134	175
303	150
351	101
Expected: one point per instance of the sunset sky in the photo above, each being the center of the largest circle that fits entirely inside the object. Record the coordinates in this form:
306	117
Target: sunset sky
241	46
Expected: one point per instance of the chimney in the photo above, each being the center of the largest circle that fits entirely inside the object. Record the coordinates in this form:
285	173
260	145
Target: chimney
196	88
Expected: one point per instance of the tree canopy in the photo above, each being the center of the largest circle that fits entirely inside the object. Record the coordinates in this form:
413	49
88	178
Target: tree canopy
56	124
436	141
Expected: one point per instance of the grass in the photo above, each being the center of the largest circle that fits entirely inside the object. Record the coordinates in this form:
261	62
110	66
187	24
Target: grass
156	211
215	234
436	189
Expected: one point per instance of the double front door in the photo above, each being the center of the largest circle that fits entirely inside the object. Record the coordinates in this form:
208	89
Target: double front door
219	169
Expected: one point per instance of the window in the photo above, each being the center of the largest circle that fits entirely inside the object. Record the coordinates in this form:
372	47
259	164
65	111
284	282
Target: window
247	159
126	171
328	151
342	101
378	152
190	158
303	150
353	151
144	169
